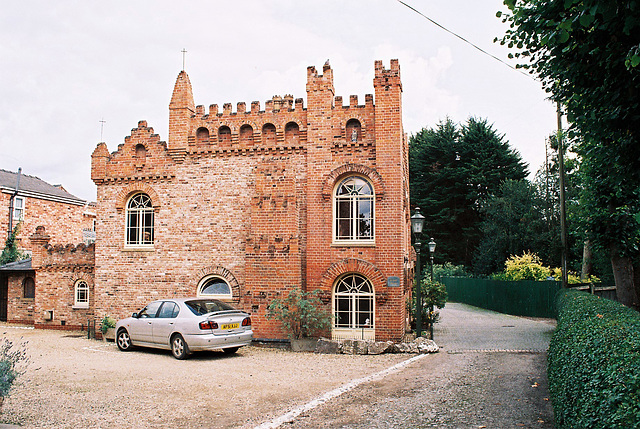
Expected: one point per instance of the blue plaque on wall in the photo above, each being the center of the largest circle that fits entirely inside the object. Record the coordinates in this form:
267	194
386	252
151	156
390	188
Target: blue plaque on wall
393	282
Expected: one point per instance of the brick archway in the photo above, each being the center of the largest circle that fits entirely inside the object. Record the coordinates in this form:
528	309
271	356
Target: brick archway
352	265
368	172
223	273
124	195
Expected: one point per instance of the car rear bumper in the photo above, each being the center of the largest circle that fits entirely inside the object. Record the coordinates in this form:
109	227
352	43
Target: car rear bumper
216	342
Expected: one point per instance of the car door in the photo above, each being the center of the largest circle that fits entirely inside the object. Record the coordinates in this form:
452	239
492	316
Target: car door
164	323
141	328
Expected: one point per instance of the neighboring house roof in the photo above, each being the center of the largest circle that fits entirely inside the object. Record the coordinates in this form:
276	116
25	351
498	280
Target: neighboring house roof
31	186
24	265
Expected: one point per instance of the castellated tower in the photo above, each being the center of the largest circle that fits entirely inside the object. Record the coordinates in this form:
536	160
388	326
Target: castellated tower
244	205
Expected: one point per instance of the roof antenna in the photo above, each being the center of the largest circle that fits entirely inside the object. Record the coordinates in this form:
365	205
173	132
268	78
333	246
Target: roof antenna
184	54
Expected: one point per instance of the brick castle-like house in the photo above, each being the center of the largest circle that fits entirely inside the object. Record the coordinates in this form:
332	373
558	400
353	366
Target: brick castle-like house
246	205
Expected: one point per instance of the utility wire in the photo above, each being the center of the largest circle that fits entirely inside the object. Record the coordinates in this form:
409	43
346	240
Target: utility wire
463	39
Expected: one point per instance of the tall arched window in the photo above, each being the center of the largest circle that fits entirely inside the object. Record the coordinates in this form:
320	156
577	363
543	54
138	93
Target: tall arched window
139	229
81	294
215	287
354	210
353	307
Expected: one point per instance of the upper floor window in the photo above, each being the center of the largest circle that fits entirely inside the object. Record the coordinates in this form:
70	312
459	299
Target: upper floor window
29	287
353	210
18	208
81	294
139	229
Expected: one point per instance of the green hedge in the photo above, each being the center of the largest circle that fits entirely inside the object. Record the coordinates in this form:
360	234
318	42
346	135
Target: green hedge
594	363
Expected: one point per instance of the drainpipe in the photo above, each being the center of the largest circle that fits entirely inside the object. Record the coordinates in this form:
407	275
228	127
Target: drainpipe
10	230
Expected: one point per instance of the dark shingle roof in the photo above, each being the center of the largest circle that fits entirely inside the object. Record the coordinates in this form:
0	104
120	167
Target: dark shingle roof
35	186
23	265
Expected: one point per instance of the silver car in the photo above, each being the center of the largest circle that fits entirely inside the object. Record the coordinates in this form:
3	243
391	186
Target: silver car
186	325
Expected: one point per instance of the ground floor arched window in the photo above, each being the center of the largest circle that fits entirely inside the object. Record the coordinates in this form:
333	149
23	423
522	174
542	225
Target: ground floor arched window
353	307
215	287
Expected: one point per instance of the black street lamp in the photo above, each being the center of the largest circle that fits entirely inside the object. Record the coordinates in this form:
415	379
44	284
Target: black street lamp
417	224
432	250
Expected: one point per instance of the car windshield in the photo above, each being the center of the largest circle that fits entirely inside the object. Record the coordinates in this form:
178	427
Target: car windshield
204	306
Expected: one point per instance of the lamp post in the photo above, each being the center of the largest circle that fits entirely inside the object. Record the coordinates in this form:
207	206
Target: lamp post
417	223
432	250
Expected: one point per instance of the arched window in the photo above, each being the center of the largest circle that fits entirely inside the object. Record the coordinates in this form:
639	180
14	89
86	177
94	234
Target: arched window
224	135
29	287
215	287
353	307
353	130
269	134
291	131
246	133
81	294
202	135
139	229
354	210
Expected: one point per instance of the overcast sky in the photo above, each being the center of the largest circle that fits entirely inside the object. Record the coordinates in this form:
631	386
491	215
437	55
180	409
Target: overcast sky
66	65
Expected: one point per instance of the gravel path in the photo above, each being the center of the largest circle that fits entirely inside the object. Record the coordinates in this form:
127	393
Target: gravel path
490	373
73	382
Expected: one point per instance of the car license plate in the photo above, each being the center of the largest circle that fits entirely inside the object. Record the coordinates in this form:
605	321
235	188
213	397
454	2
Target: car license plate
230	325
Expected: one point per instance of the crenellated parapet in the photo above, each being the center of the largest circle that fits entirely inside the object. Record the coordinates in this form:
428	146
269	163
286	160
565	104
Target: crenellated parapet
59	257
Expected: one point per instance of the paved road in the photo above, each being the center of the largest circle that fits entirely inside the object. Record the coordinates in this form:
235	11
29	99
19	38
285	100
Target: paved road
490	373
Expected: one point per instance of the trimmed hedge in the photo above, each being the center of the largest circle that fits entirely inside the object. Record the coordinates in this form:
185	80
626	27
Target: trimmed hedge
594	363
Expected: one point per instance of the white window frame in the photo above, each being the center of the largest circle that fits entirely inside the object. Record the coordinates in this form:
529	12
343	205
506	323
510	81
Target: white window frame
222	297
144	216
353	293
81	287
18	213
354	200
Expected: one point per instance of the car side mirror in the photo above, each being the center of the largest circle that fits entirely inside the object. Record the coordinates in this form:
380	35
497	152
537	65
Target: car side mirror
134	315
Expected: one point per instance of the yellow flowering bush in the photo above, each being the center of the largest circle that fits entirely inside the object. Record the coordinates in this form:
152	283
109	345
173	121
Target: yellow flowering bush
528	266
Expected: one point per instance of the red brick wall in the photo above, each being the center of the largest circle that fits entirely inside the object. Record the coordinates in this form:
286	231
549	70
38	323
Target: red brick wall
254	206
64	222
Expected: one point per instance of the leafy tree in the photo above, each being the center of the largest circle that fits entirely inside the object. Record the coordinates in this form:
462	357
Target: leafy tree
513	223
453	171
586	53
11	252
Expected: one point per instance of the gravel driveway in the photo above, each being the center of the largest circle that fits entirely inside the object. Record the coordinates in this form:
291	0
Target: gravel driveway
73	382
490	373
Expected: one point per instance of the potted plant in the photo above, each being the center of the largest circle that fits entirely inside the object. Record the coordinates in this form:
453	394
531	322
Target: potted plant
302	316
107	327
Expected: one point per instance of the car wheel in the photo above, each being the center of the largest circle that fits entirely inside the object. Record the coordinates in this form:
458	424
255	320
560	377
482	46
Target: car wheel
179	347
230	350
124	340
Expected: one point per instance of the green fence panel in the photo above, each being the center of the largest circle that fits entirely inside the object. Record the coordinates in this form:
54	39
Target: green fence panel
522	298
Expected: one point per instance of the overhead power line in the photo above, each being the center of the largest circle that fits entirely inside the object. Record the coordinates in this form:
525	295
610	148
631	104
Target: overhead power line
463	39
